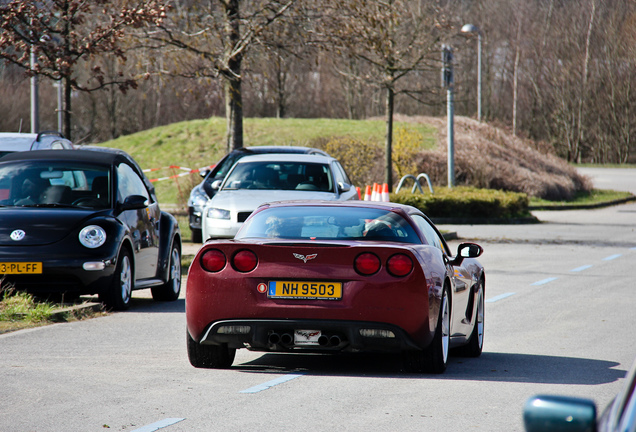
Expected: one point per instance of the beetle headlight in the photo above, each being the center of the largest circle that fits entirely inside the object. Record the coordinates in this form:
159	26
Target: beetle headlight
216	213
92	236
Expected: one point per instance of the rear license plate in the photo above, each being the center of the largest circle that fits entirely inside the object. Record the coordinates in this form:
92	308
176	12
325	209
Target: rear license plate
21	268
305	290
306	337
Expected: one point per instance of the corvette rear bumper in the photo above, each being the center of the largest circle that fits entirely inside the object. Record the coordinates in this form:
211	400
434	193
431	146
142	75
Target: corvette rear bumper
335	335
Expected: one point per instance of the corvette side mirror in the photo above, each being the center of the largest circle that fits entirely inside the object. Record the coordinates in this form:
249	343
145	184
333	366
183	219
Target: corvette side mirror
467	250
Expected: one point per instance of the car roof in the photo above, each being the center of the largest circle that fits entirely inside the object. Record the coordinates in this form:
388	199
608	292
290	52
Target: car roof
70	155
22	141
282	157
285	149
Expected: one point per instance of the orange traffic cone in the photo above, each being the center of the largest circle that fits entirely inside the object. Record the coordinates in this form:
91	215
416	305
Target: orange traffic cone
367	193
374	194
385	193
358	191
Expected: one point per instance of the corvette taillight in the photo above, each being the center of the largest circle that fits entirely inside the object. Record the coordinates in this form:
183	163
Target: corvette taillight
399	265
245	261
213	260
366	264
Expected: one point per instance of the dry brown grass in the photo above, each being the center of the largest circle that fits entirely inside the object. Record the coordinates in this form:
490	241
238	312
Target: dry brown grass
489	157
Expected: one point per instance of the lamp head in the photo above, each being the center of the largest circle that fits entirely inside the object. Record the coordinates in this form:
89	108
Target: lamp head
470	29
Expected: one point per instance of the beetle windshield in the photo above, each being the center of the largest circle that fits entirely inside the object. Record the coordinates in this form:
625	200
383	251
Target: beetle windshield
328	223
54	184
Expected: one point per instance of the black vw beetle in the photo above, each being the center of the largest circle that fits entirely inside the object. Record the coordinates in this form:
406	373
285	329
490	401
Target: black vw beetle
85	222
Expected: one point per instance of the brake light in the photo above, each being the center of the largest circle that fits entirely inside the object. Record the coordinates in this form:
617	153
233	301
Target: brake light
366	264
245	261
213	260
399	265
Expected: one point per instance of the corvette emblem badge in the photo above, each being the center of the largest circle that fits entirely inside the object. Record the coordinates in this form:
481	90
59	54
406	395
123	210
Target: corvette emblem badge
17	235
305	258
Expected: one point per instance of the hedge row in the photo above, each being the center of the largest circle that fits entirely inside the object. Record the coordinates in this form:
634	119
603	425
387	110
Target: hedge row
467	203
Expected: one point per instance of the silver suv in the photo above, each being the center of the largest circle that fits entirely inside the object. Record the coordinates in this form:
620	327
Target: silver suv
202	192
11	142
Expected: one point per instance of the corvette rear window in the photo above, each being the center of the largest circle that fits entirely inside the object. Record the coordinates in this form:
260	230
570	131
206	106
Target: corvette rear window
325	223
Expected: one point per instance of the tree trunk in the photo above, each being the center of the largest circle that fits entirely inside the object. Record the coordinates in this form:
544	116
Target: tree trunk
389	138
234	113
66	114
233	96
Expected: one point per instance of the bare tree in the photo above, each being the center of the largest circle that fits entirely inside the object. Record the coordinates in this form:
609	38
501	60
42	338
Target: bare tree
393	38
210	39
61	33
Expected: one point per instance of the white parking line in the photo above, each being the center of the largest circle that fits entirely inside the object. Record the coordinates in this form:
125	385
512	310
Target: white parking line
271	383
611	257
159	425
544	281
578	269
499	297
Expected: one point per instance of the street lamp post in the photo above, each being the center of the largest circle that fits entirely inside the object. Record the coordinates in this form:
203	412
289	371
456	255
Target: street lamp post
447	82
470	29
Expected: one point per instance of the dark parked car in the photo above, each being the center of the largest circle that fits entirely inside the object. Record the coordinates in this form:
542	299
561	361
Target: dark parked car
204	191
85	222
17	142
331	277
548	413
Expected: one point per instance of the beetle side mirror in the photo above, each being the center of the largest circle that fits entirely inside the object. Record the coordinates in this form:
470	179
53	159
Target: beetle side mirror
134	202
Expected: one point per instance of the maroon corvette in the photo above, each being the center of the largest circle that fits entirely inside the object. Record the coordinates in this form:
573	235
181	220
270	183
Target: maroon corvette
327	277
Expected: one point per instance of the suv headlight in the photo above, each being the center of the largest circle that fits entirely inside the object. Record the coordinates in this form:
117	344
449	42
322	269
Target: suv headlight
216	213
92	236
198	198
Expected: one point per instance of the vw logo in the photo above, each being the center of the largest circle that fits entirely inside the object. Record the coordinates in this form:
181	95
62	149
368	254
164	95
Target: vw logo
17	235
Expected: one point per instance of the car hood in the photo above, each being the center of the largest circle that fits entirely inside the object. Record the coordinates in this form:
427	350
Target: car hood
249	199
40	226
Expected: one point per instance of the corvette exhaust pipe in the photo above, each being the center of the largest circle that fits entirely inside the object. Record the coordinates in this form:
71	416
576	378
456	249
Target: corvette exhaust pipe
286	339
335	340
323	340
274	338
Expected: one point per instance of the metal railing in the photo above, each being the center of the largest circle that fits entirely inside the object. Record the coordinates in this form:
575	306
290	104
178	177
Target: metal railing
416	180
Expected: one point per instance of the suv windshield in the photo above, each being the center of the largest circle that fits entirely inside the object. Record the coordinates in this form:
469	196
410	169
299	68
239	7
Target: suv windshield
280	175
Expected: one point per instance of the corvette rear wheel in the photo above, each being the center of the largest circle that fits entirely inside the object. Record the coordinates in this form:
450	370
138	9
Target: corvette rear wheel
209	356
433	359
118	295
476	342
171	289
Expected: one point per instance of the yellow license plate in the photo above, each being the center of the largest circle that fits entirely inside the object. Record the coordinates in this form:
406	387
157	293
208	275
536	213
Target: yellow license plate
305	290
21	268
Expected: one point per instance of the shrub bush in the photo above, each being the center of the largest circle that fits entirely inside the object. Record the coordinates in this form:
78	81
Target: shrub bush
467	203
488	157
363	160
